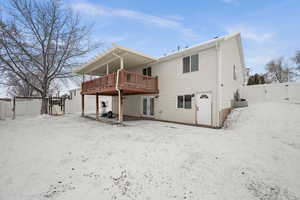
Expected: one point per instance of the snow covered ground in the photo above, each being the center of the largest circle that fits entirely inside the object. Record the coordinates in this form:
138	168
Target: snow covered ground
74	158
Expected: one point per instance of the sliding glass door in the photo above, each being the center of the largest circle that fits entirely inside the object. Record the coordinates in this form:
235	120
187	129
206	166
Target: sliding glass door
148	106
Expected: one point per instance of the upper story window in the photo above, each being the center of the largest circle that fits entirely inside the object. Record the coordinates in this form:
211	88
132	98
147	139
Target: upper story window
147	71
186	64
194	62
179	101
190	63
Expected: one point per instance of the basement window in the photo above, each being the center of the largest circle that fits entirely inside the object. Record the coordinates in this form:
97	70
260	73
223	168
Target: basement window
187	101
184	101
179	101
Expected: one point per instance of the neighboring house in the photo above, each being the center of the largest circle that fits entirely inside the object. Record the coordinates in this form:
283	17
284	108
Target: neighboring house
195	85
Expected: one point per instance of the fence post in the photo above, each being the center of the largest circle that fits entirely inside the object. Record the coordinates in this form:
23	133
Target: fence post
14	108
97	106
82	105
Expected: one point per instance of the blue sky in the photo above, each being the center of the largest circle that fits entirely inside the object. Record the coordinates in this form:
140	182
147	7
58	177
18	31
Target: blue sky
269	28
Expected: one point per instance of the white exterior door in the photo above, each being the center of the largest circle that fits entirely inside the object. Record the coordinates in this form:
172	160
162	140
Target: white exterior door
203	107
148	106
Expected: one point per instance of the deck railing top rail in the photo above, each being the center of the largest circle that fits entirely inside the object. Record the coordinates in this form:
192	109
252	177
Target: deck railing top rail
127	81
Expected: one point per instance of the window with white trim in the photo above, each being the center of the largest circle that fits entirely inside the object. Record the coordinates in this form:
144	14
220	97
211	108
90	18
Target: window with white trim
179	101
186	64
194	63
184	101
187	101
190	63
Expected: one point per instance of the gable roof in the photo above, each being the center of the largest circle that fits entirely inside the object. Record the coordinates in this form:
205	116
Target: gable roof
133	58
201	46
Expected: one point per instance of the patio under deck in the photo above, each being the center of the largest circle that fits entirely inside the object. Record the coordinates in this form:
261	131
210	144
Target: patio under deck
114	63
114	120
130	83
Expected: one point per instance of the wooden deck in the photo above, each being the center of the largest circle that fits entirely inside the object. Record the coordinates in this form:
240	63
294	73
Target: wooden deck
129	83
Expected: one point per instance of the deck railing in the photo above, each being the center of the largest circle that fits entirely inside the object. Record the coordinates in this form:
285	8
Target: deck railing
99	84
137	81
127	81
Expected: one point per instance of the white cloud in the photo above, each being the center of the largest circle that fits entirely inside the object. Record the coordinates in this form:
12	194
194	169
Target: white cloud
110	38
162	22
230	1
250	33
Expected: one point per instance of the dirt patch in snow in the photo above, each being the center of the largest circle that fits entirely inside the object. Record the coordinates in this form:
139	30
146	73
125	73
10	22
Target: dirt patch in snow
264	191
57	189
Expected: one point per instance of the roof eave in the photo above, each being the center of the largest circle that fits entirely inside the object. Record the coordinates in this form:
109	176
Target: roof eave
202	46
88	66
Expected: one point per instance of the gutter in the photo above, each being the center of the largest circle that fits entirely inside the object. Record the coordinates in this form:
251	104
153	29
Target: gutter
117	84
219	83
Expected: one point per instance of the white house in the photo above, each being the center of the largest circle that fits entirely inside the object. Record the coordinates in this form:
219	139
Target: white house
195	85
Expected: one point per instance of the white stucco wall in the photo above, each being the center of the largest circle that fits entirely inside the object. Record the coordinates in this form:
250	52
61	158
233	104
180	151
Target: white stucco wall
230	57
172	82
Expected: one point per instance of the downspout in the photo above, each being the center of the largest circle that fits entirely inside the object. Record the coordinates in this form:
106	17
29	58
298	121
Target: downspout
117	84
219	83
119	94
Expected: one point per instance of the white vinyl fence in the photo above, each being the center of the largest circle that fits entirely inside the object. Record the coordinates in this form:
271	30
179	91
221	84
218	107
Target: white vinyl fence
278	92
5	109
31	107
28	107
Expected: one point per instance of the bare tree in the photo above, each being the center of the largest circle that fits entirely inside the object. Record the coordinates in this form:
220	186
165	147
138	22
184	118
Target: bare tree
256	79
41	41
279	71
18	87
297	61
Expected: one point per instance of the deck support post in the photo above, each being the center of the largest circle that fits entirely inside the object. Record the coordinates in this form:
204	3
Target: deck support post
97	106
120	107
82	105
